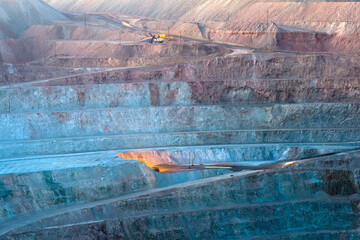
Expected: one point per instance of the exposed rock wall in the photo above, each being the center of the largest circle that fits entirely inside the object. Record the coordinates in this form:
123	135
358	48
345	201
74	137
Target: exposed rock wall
244	106
234	12
12	73
157	120
30	185
28	50
285	25
18	15
226	100
75	32
190	93
279	203
27	189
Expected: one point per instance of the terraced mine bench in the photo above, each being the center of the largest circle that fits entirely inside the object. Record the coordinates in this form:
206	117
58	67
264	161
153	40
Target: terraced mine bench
321	195
60	138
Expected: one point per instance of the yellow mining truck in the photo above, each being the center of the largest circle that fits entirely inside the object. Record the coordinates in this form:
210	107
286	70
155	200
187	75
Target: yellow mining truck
158	38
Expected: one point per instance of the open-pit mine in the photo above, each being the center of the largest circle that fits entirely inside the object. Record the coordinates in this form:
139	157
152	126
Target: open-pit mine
154	119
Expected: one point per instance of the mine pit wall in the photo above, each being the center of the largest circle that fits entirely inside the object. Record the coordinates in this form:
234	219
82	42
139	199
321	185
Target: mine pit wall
319	42
324	196
58	32
90	180
33	190
255	66
291	41
28	50
305	41
58	117
131	108
167	120
19	51
228	154
245	80
140	141
11	74
190	93
118	101
115	62
262	40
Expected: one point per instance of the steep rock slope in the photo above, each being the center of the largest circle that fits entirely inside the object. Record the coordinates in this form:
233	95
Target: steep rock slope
300	12
220	10
314	26
17	15
191	9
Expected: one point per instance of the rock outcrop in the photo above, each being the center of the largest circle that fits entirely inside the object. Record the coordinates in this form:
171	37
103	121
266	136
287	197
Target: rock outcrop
18	15
285	204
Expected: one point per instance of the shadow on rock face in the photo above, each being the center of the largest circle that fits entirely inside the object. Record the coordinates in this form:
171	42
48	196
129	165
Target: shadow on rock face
339	182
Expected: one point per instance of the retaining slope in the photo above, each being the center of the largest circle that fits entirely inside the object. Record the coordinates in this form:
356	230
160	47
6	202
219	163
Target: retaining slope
33	184
277	104
322	196
241	99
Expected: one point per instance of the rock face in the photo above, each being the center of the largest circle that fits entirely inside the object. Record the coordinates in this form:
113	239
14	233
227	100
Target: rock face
40	183
322	196
203	10
256	106
226	100
76	32
18	15
12	74
71	130
267	25
155	9
75	54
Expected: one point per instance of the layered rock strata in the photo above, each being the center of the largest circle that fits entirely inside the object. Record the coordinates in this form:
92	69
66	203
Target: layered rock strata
322	195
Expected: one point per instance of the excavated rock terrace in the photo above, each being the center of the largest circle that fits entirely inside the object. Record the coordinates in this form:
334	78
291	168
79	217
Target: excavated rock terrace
88	106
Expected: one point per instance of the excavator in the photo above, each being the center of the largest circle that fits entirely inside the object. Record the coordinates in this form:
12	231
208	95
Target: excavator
158	38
